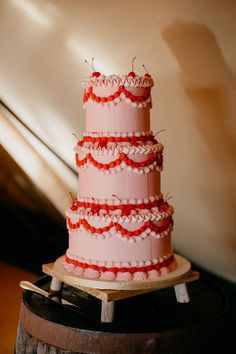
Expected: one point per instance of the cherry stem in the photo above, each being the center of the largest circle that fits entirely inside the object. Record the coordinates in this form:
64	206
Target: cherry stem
145	68
159	131
72	197
133	63
113	195
88	64
91	65
168	197
75	136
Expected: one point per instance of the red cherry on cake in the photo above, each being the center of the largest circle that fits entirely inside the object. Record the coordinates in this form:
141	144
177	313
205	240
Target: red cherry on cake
132	73
74	207
96	74
164	207
147	74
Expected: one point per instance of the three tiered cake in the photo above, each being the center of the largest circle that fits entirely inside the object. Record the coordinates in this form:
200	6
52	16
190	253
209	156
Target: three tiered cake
119	224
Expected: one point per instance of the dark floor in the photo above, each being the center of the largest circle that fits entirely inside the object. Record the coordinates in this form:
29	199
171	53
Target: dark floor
10	300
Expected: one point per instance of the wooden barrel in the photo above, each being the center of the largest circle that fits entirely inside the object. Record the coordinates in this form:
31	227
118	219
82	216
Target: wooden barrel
145	324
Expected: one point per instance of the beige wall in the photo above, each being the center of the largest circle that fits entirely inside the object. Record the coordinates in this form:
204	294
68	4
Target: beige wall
188	46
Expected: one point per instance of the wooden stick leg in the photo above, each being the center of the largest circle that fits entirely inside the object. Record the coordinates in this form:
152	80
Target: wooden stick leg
107	311
55	288
181	293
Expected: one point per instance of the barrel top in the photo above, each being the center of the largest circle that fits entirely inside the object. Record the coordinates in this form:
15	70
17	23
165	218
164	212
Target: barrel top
148	323
152	312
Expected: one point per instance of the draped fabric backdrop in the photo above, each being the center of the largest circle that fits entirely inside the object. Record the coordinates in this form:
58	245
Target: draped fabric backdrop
189	48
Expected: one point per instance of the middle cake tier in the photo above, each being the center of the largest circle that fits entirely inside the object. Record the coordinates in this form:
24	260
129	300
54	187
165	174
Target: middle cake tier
126	167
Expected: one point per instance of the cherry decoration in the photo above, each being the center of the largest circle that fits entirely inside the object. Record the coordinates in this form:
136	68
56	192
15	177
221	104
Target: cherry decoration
147	73
76	136
159	131
132	73
74	205
94	73
168	197
160	204
133	140
113	195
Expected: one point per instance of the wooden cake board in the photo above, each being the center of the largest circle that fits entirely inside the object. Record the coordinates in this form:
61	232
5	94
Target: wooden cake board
110	291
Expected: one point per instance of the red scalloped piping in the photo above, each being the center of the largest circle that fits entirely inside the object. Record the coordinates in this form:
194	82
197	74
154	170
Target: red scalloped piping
125	208
89	94
103	141
122	157
166	223
132	270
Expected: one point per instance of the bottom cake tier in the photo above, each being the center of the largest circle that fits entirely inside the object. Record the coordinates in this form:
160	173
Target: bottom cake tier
114	259
120	242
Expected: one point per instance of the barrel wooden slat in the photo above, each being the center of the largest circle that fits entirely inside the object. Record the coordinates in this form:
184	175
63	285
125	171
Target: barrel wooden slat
27	344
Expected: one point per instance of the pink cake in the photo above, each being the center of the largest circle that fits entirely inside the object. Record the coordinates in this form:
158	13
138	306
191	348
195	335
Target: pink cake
119	225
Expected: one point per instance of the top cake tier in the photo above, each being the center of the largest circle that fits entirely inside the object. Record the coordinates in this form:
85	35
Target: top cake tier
117	103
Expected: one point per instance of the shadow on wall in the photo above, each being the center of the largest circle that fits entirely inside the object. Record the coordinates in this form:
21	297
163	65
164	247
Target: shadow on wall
209	84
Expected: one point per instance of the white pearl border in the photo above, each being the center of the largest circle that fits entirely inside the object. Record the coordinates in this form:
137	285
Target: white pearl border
117	134
118	201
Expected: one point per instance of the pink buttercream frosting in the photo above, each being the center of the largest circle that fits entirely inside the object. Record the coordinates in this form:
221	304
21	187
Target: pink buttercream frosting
106	240
153	274
91	273
139	276
123	276
107	276
114	249
94	184
120	118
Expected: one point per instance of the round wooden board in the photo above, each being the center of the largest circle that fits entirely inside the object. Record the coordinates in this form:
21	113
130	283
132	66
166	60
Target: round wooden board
183	266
